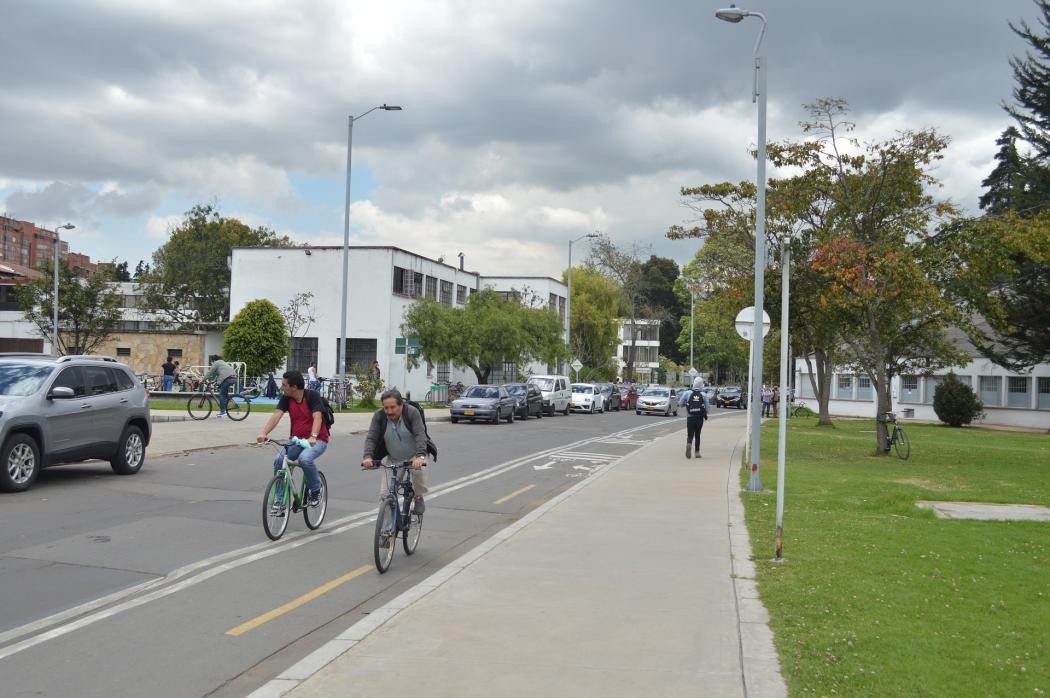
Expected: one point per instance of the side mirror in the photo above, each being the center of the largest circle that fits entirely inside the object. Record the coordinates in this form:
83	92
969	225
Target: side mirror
61	393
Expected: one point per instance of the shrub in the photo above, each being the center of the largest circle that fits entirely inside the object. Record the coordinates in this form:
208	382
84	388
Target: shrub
257	336
955	402
366	386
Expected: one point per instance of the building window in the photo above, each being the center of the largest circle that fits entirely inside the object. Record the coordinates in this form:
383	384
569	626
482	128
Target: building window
844	387
1044	394
9	298
931	387
123	351
444	372
175	353
446	293
461	294
432	288
864	391
909	389
303	354
553	302
1018	392
399	283
561	308
991	390
805	386
407	282
360	353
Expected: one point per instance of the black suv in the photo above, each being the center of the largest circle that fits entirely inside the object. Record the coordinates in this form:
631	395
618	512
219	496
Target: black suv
66	410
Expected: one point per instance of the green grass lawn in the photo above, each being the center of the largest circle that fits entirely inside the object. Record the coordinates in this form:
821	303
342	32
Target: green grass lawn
879	598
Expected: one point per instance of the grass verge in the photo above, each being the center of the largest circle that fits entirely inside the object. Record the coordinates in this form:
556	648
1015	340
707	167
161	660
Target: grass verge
877	597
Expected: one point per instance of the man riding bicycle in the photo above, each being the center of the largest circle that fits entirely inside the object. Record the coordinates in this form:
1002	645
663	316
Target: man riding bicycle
224	374
305	412
399	433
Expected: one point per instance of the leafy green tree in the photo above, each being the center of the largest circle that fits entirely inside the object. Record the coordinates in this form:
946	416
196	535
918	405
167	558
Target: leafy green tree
189	281
594	336
487	331
121	273
659	275
955	403
258	337
623	265
88	307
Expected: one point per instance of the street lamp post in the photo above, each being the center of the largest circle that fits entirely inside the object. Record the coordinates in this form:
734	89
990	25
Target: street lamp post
785	281
341	349
568	301
54	297
734	14
692	314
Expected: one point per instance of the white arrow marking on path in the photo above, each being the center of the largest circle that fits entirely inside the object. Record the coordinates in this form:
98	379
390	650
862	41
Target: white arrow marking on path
583	467
545	466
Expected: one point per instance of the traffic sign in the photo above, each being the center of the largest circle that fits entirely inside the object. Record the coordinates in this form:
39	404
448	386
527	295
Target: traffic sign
409	345
576	365
693	373
745	322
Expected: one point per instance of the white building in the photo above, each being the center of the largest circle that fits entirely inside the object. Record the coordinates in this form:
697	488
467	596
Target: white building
645	336
384	282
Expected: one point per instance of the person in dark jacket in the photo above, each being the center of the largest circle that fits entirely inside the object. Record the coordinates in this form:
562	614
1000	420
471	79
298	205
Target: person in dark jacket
399	434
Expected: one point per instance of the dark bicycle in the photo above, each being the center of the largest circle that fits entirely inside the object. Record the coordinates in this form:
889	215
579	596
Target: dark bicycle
394	521
898	439
238	405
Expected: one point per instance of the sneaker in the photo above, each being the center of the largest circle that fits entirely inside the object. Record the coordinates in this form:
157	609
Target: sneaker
419	507
277	511
697	452
220	415
688	451
314	500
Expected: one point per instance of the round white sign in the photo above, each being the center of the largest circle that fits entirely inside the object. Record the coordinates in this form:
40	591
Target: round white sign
745	321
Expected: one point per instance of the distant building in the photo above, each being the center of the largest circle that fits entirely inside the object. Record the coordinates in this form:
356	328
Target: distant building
639	339
31	246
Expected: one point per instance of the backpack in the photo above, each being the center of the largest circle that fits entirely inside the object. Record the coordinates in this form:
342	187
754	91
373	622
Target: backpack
695	405
327	415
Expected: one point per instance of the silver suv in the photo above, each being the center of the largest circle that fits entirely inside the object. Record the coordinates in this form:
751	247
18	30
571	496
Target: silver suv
65	410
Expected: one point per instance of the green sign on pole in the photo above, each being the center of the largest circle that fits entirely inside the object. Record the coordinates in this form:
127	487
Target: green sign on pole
409	345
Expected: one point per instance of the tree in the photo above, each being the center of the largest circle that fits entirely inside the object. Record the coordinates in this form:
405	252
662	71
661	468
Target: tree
190	278
658	291
258	337
88	308
487	332
142	270
955	403
1032	75
299	314
623	266
120	272
593	336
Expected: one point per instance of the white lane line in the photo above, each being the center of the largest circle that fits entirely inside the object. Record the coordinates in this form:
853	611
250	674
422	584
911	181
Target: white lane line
250	554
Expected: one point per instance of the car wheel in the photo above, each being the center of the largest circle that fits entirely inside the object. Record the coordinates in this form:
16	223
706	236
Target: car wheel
131	453
638	412
496	418
566	410
455	420
510	417
21	463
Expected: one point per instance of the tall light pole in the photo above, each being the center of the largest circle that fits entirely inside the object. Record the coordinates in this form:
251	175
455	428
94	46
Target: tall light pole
568	301
341	349
692	314
54	298
734	14
785	282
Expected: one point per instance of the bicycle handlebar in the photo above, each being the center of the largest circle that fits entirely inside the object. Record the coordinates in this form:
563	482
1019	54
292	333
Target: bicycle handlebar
294	441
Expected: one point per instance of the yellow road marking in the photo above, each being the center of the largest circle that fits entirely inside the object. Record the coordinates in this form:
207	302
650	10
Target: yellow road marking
296	603
513	494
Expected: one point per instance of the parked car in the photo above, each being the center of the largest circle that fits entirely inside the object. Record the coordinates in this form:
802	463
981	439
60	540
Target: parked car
587	397
731	396
66	410
487	402
611	396
628	396
658	400
556	393
709	392
528	397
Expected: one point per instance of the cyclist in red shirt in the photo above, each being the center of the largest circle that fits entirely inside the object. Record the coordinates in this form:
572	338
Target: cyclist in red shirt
304	410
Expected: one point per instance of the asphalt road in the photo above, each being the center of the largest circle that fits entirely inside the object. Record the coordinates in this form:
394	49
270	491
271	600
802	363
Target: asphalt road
165	583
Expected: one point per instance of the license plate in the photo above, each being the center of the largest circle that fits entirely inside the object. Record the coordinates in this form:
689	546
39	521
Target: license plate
572	405
649	407
468	413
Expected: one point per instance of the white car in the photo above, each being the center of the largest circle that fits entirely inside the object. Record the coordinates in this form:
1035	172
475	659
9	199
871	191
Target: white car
587	397
556	393
658	400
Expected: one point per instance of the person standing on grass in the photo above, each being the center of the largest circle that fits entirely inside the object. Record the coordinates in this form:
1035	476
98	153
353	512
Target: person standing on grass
767	400
776	401
696	407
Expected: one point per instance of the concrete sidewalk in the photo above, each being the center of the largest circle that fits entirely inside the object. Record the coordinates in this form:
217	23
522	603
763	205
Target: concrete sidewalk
170	438
624	585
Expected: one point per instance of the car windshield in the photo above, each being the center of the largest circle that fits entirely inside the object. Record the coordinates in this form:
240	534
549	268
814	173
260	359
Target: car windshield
583	389
19	380
516	389
730	390
656	392
543	383
481	391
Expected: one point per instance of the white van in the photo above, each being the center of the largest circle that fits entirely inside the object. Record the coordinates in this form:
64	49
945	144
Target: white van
556	393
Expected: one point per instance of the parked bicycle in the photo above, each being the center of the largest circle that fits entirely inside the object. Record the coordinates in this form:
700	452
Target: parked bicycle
335	391
284	497
238	406
798	409
898	440
396	521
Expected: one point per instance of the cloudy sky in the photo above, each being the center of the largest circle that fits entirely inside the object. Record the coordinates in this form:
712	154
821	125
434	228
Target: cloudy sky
525	123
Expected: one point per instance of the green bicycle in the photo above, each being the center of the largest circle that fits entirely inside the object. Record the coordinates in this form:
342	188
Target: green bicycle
282	494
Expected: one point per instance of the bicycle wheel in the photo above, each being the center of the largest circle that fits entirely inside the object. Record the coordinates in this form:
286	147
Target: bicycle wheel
199	406
411	537
901	444
386	534
275	517
238	408
315	515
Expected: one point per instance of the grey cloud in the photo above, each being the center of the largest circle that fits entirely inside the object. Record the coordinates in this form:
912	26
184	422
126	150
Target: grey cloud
62	200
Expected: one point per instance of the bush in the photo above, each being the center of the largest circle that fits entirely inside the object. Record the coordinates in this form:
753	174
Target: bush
955	402
257	336
366	386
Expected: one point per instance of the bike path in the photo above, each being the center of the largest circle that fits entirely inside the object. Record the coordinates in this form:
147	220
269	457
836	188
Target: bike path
626	584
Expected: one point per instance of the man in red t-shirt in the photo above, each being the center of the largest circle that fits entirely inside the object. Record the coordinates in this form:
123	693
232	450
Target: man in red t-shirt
304	411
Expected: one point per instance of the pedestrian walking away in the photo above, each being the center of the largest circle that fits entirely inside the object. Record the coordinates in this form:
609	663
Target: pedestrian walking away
225	376
169	374
306	414
696	407
398	432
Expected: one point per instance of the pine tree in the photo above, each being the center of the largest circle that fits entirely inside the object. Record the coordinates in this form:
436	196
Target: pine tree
1032	75
1008	183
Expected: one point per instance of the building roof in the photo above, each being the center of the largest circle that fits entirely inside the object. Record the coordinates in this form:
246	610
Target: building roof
18	272
361	247
525	278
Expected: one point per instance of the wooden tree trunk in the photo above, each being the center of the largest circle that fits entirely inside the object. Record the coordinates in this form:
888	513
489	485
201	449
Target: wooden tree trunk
885	404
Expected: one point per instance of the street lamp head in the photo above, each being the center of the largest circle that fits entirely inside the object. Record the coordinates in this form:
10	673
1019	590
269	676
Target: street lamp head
390	107
593	235
731	14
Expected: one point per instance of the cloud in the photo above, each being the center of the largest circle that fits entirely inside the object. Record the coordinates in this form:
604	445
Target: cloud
160	227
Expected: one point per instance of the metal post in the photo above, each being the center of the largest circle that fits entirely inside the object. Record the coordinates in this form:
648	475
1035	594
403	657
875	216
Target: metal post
568	310
692	314
785	264
341	349
755	484
54	303
750	361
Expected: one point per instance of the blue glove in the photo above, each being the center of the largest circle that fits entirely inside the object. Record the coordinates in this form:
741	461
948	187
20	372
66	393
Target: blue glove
302	443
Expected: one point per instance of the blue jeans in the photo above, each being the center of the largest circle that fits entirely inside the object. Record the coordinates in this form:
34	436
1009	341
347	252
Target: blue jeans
306	458
168	380
223	391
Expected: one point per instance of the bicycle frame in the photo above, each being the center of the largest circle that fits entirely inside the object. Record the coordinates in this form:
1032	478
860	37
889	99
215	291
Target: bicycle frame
297	495
400	483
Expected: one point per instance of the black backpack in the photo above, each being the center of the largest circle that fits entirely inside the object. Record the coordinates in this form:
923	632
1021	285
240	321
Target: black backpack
696	407
327	415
